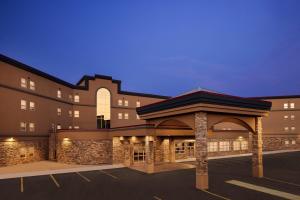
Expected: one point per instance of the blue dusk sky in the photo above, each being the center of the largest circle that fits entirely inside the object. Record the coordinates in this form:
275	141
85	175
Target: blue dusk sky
245	48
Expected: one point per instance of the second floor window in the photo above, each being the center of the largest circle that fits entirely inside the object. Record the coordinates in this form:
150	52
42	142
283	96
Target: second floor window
120	116
23	126
138	104
126	103
120	102
76	113
59	111
70	113
76	98
32	85
23	83
126	116
31	127
23	105
31	105
59	93
58	126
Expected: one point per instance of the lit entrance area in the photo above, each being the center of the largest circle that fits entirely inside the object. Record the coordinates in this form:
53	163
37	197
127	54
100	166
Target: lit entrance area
139	154
184	149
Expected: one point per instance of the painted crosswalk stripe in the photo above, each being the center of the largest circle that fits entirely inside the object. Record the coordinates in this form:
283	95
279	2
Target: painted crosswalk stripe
157	198
54	180
266	190
280	181
108	174
84	177
22	184
216	195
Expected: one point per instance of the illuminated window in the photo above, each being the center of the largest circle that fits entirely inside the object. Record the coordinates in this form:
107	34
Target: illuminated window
76	98
70	97
58	126
293	128
286	142
23	105
126	103
179	148
59	111
286	116
70	127
236	145
224	146
293	141
31	105
138	117
59	93
76	127
244	145
292	105
76	113
292	117
23	83
120	116
285	105
126	116
32	85
31	127
138	104
103	108
120	102
23	126
286	128
212	146
70	113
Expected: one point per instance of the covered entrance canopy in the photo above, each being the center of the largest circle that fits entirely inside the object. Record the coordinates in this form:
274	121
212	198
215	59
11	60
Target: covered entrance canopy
200	111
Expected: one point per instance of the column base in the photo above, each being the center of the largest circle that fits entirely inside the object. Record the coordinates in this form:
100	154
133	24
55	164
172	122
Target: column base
258	171
150	169
202	181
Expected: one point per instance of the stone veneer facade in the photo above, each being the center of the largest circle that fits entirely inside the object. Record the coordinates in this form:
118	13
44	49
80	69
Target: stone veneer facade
20	151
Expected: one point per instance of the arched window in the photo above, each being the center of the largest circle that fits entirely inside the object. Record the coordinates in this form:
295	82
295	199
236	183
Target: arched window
103	108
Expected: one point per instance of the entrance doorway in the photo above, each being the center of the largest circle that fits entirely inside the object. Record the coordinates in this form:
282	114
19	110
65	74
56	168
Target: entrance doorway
139	154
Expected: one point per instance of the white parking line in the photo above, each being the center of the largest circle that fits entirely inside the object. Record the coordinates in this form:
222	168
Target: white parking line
216	195
21	184
54	180
280	181
266	190
108	174
83	177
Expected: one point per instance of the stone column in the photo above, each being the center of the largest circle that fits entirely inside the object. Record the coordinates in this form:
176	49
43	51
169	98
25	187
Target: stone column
257	160
149	150
127	153
201	150
172	150
52	146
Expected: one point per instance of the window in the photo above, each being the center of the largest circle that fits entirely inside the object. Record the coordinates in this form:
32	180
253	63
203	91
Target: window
120	116
138	117
59	111
293	128
244	145
70	97
23	83
285	105
76	113
23	126
31	105
224	146
59	93
23	105
293	141
58	126
212	147
126	103
286	128
76	98
103	108
138	104
126	116
70	113
236	145
286	142
31	127
120	102
179	147
286	116
76	127
292	105
70	127
32	85
292	117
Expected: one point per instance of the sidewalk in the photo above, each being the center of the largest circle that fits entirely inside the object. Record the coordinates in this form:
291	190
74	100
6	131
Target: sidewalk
46	168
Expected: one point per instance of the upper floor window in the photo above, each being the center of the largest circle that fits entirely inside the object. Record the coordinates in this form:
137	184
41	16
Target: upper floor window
126	103
120	102
293	128
31	127
76	127
70	97
126	116
32	85
285	105
70	113
138	117
138	104
23	105
292	117
103	108
120	116
76	113
59	93
23	83
58	126
31	105
23	126
286	116
286	128
76	98
292	105
59	111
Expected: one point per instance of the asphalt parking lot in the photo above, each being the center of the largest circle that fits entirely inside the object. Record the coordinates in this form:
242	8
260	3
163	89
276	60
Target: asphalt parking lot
228	179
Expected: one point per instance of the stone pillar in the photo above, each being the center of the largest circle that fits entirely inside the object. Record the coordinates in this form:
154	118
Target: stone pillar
257	160
149	150
127	153
201	150
172	150
52	146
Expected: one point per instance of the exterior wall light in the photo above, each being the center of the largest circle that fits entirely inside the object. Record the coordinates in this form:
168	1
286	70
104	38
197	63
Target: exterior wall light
11	139
241	138
121	138
133	138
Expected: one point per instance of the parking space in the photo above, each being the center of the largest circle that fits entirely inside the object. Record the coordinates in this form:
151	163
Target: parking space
230	178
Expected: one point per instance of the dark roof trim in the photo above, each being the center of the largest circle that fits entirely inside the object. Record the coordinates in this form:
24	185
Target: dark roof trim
205	97
277	97
85	78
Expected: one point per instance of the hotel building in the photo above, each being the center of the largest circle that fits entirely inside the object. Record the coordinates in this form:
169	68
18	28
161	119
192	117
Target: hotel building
96	122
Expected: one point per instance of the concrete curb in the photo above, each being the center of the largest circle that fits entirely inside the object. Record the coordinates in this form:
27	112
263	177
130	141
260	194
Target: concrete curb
58	171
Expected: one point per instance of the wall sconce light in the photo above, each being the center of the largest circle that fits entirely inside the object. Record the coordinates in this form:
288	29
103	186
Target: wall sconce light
10	139
121	138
